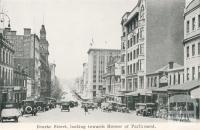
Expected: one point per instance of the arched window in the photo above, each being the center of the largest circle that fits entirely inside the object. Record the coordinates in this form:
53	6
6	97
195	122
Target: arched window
142	12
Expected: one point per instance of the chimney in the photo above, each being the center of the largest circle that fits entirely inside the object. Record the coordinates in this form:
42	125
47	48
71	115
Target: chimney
171	65
27	31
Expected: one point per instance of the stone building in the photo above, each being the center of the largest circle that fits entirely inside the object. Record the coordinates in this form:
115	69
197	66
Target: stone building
97	62
151	37
27	55
45	73
6	68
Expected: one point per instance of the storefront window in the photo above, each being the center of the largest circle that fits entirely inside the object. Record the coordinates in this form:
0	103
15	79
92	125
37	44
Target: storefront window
190	106
172	106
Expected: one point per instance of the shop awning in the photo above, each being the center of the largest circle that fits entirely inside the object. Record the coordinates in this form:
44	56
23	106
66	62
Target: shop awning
145	92
160	90
188	86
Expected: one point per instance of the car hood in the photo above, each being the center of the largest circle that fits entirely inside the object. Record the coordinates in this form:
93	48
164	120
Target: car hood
10	112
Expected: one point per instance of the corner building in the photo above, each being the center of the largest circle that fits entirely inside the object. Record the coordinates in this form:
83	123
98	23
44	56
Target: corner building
152	34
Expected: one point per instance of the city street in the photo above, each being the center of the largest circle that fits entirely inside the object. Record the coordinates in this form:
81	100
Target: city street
77	115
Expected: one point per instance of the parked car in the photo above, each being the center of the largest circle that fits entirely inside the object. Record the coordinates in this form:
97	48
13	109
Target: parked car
29	107
10	111
65	106
122	108
40	105
145	109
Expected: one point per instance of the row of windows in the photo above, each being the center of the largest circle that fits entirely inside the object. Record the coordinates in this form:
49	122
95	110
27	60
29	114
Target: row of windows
193	74
176	79
6	57
194	24
5	76
133	55
135	67
152	81
195	50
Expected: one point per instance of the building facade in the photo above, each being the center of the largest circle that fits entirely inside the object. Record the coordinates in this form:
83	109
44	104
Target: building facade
53	75
45	73
97	62
85	80
192	41
27	55
151	37
6	69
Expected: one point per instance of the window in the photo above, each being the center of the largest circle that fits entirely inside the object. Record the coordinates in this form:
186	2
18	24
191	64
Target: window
178	78
199	72
142	49
199	21
134	54
199	48
142	12
137	38
193	73
128	57
188	73
193	49
134	70
188	54
128	69
131	69
193	23
128	44
131	56
134	40
141	65
174	79
131	42
188	27
141	33
141	82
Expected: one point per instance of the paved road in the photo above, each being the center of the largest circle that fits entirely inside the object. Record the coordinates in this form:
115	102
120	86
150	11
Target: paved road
94	116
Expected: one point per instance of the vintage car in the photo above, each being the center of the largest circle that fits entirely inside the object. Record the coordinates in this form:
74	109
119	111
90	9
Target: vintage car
122	108
106	107
29	107
65	106
10	111
40	106
145	109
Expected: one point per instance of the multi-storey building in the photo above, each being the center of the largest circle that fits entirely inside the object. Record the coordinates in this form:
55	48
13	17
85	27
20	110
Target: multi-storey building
192	41
151	37
45	74
97	62
20	79
27	55
85	80
6	68
53	75
112	79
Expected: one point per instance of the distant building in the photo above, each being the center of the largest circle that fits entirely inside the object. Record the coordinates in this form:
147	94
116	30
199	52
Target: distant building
151	37
45	73
97	62
85	80
53	75
112	79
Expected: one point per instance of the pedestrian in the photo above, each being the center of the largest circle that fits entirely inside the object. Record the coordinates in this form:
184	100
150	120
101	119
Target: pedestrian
86	109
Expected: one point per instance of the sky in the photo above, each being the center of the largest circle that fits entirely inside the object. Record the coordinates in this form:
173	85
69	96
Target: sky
71	25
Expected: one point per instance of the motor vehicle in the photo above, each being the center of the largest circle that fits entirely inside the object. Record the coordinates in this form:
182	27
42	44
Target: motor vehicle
29	107
65	106
40	106
122	108
10	111
145	109
106	107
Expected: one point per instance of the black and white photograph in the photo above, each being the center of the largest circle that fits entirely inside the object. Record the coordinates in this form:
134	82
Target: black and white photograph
99	64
